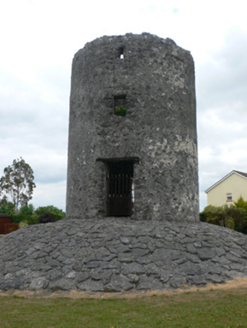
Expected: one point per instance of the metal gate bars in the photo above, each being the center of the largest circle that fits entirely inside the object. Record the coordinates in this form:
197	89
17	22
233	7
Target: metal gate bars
119	194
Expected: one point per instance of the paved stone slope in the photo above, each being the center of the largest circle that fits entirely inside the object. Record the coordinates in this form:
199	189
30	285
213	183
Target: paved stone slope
120	254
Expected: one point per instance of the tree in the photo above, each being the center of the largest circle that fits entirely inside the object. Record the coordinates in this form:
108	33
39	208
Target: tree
17	183
6	206
240	203
26	214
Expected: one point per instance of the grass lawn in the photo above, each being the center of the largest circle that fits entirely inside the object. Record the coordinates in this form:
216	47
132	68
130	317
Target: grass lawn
214	308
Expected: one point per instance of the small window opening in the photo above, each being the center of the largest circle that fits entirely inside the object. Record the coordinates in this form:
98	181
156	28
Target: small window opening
120	108
121	54
229	197
120	188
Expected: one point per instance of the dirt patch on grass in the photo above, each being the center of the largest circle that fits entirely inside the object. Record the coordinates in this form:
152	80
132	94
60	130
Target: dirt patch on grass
236	284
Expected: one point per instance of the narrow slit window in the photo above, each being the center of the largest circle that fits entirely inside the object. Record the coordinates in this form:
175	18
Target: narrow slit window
121	52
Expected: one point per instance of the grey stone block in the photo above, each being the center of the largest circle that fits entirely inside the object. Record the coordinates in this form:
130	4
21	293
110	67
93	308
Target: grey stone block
220	251
71	275
146	283
233	258
62	284
236	252
82	276
153	269
146	259
91	285
99	274
206	253
77	265
164	255
197	280
125	257
102	252
191	248
165	276
215	278
119	283
177	281
133	278
134	268
125	240
39	283
139	252
197	244
111	265
92	264
237	266
54	274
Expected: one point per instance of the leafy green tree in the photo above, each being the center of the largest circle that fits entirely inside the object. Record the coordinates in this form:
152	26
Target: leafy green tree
240	203
27	214
7	207
17	183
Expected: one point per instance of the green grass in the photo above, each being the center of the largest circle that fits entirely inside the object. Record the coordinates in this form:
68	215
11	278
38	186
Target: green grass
191	309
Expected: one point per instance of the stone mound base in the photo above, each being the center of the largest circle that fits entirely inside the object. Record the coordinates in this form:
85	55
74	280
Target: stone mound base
113	255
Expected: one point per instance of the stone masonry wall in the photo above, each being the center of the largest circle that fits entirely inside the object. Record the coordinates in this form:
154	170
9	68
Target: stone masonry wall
114	255
157	79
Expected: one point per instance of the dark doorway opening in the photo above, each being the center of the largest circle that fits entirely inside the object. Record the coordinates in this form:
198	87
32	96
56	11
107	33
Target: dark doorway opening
120	188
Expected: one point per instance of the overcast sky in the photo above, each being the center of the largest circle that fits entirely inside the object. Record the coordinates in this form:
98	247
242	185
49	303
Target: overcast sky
39	39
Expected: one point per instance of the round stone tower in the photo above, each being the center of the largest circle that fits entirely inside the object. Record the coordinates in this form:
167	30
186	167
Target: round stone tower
132	132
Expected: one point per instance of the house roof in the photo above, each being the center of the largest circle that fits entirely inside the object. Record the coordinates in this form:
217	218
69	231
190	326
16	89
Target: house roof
242	174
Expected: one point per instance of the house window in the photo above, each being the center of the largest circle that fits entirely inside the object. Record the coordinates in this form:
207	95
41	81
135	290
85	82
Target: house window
229	197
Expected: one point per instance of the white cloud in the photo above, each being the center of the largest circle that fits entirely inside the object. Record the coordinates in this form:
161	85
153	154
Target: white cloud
49	194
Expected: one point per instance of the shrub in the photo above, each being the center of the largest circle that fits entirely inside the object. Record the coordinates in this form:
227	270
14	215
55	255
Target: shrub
28	214
23	224
55	213
120	111
45	218
233	216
